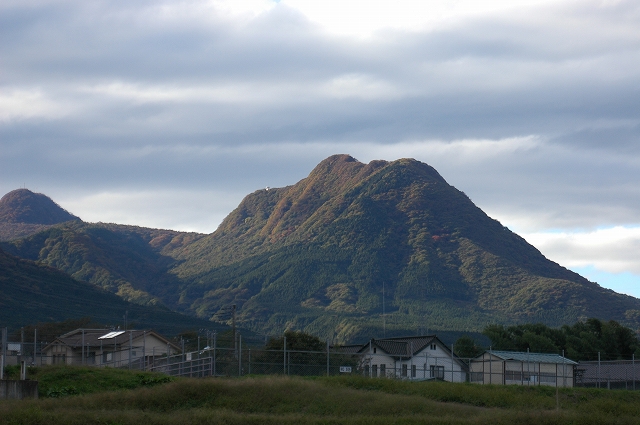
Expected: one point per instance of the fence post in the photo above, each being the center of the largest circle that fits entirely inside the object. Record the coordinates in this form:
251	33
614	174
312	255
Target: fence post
215	339
327	357
370	360
633	369
239	355
130	349
598	369
284	356
144	350
452	363
564	371
426	361
490	366
528	369
4	352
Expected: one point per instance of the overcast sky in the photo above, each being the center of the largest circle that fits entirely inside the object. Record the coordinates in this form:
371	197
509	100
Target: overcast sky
167	113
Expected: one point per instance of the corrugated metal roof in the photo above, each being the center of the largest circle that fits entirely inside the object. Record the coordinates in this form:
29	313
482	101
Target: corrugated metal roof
532	357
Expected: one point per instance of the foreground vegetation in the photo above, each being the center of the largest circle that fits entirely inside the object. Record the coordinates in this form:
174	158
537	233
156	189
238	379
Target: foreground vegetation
322	400
61	381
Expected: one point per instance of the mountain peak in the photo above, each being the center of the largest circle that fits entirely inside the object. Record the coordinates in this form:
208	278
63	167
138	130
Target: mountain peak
25	206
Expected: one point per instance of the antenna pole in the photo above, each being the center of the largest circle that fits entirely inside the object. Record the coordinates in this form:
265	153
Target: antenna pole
233	325
384	316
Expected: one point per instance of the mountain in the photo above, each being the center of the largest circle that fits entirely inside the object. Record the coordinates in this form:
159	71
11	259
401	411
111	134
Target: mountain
24	213
132	262
352	251
33	293
352	241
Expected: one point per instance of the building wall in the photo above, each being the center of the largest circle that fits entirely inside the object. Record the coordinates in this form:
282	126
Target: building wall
489	369
108	354
419	367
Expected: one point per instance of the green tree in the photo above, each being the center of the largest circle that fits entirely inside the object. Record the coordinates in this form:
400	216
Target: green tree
466	347
305	354
581	341
296	341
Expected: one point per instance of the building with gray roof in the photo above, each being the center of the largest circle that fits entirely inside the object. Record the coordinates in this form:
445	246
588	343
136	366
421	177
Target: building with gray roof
522	368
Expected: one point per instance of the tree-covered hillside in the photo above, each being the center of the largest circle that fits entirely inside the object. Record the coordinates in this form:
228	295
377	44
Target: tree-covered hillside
24	213
33	293
352	251
332	252
132	262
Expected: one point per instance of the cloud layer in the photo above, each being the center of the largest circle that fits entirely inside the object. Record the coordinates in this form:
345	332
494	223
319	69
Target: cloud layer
166	113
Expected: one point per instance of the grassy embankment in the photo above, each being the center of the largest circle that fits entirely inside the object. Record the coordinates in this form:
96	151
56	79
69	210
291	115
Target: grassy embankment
282	400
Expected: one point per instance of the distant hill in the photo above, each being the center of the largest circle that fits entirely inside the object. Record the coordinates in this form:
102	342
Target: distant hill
33	293
352	251
24	213
132	262
333	251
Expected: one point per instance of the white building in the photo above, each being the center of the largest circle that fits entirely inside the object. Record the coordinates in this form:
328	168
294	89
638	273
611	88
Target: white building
413	358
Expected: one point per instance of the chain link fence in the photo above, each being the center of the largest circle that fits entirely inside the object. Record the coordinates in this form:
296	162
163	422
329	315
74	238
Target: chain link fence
241	361
611	374
251	361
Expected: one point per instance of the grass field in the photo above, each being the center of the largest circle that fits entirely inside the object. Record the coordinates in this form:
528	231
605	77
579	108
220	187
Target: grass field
333	400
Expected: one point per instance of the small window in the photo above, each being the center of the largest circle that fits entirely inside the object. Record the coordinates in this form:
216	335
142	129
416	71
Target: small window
433	346
437	372
374	350
383	370
413	371
404	370
374	371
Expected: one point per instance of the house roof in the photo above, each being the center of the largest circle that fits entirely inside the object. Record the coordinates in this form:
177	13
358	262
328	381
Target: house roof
104	337
348	349
532	357
402	346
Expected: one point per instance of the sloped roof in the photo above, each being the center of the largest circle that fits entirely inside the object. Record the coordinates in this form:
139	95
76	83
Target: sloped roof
103	337
532	357
348	349
402	346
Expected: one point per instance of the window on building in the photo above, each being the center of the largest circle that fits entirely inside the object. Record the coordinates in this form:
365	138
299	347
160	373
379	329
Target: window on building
374	350
436	372
374	371
383	370
404	370
414	371
476	376
433	346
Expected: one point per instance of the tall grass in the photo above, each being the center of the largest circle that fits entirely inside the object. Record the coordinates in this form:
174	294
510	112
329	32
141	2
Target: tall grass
339	400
